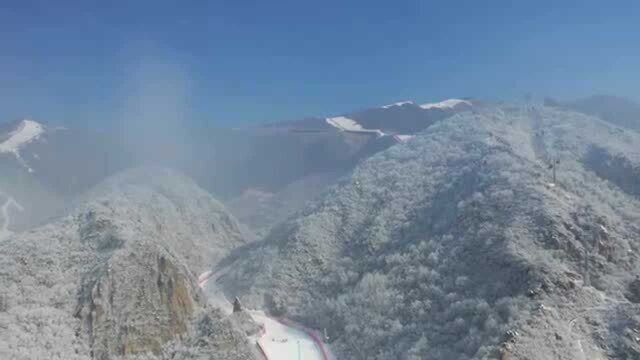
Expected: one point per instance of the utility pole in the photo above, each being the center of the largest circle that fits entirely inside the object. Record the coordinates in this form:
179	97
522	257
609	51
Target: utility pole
590	249
299	356
554	165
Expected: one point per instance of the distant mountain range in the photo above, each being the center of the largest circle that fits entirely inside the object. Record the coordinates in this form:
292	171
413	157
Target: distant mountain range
614	109
233	163
460	229
64	162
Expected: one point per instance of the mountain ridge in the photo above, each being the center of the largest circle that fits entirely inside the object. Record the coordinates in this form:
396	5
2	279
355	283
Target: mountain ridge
116	278
395	263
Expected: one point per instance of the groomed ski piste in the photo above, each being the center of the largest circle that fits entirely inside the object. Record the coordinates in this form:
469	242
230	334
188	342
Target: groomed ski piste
280	338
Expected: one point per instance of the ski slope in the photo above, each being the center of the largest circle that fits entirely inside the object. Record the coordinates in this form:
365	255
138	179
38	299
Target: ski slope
281	339
283	342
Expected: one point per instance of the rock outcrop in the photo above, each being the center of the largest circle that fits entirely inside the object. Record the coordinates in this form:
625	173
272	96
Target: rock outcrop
116	279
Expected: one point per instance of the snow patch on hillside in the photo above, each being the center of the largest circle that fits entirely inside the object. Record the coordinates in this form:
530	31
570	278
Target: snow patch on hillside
446	104
346	124
397	104
27	132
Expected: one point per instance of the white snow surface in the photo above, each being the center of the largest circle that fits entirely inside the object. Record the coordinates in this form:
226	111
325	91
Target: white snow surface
397	104
27	132
282	342
279	341
345	124
446	104
203	279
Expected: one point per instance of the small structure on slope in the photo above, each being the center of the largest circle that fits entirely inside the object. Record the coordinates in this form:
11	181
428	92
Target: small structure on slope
237	306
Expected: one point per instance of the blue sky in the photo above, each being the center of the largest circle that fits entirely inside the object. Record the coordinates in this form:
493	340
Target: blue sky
236	62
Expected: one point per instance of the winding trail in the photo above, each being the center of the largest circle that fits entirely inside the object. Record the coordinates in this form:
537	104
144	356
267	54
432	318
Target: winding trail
577	341
4	229
609	306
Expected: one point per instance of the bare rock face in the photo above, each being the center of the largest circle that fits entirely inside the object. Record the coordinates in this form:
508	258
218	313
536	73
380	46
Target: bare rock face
633	293
139	302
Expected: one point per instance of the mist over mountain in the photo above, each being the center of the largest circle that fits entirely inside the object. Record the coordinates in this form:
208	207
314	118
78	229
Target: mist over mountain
65	162
117	276
617	110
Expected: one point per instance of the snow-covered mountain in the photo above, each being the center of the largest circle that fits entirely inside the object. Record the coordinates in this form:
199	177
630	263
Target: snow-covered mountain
447	104
227	162
464	244
43	167
117	277
401	118
316	148
410	230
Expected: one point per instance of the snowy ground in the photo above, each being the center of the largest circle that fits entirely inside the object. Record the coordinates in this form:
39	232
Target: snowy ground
282	342
279	341
401	103
347	124
447	104
29	131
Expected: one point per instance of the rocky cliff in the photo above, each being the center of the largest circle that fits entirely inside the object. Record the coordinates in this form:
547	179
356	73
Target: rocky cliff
117	277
